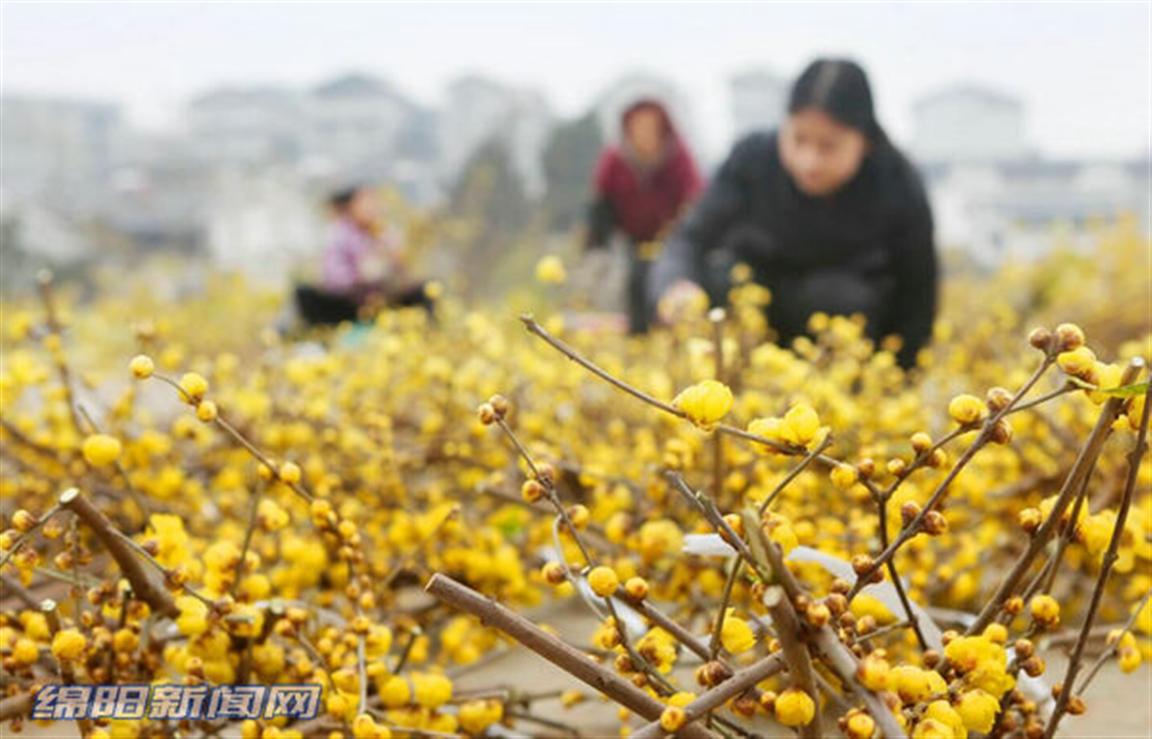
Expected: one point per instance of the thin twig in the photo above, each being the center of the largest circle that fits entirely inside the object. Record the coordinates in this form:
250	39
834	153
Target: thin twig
553	650
1088	453
1110	557
146	587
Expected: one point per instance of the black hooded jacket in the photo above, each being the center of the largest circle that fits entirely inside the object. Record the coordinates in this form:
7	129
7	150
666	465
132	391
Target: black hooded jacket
867	248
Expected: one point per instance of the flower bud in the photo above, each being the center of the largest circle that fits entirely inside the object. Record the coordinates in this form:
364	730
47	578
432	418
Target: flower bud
1030	519
500	405
1069	336
1041	338
486	413
935	523
553	573
1001	432
636	587
531	491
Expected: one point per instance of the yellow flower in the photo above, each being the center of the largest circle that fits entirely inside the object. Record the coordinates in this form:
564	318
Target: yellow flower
206	411
1045	610
801	425
550	270
193	618
736	635
860	726
171	539
795	708
932	729
142	367
1130	660
68	645
704	403
942	712
1079	362
911	683
658	538
395	692
966	409
431	691
476	716
365	727
25	651
603	581
982	661
289	473
978	710
672	719
101	449
271	516
844	476
194	386
874	672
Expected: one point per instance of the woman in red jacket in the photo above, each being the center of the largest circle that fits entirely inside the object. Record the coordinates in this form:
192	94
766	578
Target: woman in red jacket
642	185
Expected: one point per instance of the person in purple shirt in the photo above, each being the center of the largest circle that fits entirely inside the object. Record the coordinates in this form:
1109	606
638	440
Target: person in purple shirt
362	265
359	259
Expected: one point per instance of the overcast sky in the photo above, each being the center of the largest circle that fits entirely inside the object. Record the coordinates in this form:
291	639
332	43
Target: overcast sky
1083	70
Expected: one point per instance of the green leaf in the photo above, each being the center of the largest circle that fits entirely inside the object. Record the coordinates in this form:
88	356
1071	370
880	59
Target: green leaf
1120	391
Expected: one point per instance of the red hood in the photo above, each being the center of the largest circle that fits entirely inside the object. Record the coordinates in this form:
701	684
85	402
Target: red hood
653	105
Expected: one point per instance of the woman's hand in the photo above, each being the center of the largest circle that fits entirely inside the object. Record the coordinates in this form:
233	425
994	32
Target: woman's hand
683	298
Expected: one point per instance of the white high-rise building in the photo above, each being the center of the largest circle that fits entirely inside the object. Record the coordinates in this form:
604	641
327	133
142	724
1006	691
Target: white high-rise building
967	123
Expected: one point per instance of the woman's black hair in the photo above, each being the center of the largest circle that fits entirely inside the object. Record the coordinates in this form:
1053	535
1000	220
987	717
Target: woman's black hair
342	198
840	88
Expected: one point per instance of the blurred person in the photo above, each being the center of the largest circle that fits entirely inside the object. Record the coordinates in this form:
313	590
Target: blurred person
827	213
362	267
641	186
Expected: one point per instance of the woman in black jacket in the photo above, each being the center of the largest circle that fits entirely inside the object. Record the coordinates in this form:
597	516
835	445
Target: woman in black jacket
829	215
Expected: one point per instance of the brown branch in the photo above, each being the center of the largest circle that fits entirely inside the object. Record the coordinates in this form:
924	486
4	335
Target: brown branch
1084	461
836	655
894	574
55	329
740	682
553	650
1114	649
12	586
913	527
1110	557
15	706
796	656
145	586
67	675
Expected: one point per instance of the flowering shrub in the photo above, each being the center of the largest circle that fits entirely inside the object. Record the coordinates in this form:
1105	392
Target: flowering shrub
803	534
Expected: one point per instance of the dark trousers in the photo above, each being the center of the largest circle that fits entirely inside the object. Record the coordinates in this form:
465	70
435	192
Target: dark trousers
318	307
639	314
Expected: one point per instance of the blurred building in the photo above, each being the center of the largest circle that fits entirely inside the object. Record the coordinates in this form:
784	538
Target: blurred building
758	98
57	151
994	197
968	123
246	126
360	127
480	111
265	223
995	211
